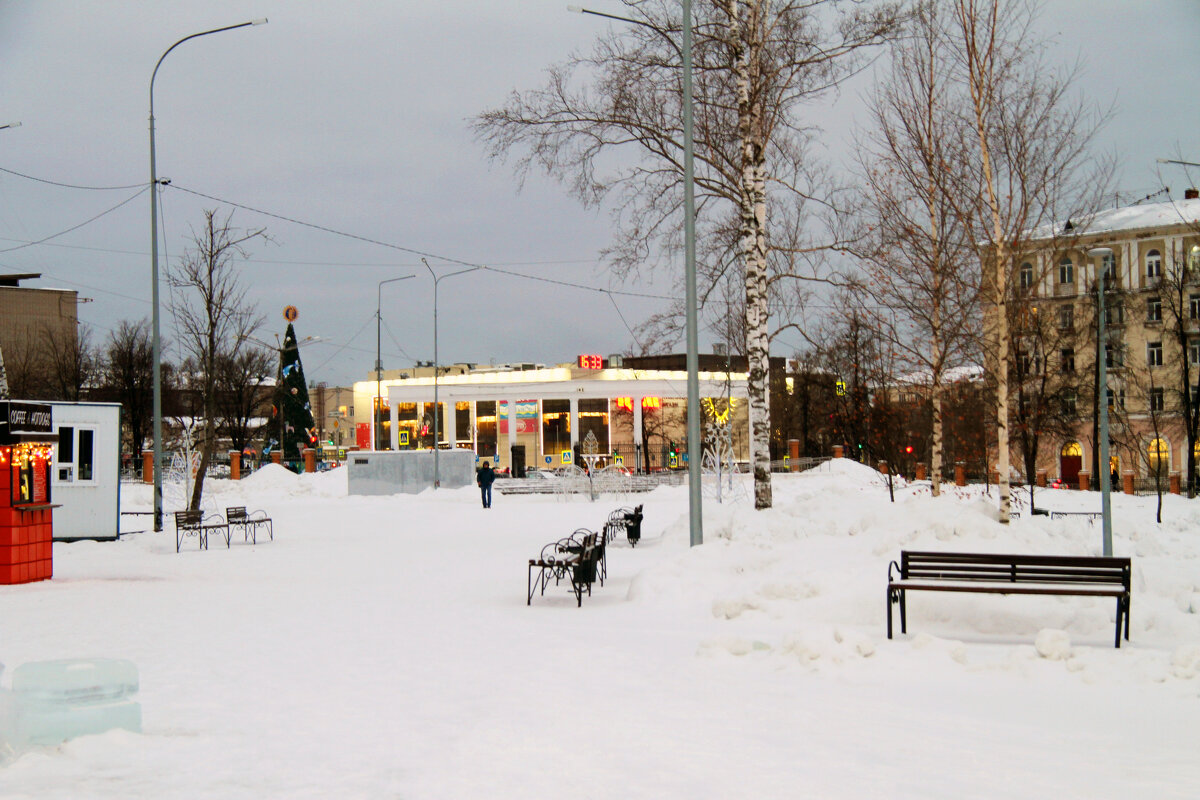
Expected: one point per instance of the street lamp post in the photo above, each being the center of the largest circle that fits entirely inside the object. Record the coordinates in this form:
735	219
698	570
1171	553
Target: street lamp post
375	423
157	347
1105	466
437	478
694	449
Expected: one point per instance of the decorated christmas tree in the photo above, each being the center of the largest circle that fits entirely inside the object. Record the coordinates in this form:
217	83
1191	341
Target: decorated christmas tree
291	401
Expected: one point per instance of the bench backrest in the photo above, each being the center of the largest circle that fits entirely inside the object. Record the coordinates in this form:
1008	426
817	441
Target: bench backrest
236	514
1015	568
184	519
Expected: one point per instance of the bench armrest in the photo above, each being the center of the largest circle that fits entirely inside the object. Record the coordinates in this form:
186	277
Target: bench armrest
891	566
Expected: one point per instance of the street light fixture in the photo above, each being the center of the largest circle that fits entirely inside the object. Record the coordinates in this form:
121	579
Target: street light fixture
157	347
10	125
694	452
437	438
375	421
1105	465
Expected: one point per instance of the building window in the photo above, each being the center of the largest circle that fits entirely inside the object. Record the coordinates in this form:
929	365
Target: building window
1194	351
1068	407
1153	265
1066	271
1194	258
1154	309
1119	398
1027	275
1114	356
1067	357
1157	400
1066	317
1154	354
1114	312
1109	262
1194	306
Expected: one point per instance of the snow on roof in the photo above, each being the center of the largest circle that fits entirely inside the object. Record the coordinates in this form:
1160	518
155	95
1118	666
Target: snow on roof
1131	218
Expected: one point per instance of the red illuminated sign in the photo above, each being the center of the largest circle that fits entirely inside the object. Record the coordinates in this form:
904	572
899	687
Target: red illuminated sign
591	362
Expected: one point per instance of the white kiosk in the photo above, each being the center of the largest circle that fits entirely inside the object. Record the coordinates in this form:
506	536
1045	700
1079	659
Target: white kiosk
86	473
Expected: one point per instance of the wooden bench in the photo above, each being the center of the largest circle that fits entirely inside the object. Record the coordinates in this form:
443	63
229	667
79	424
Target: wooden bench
571	559
194	523
1091	515
1084	576
249	523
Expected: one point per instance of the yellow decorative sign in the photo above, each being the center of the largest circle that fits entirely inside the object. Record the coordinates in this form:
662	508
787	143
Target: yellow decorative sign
404	438
290	313
566	456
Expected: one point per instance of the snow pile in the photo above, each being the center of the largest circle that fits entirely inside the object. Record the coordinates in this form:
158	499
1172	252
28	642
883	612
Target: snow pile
382	646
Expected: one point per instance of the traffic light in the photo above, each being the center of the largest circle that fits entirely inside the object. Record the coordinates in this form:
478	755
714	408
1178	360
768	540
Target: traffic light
908	449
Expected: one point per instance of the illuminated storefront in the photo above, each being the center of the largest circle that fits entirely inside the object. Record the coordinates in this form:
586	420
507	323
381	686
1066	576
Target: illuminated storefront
538	417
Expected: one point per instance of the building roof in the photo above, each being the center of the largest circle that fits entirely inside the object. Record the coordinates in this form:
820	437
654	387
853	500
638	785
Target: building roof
15	278
1131	218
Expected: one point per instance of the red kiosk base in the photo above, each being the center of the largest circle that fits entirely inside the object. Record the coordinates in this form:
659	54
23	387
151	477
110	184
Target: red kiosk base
26	513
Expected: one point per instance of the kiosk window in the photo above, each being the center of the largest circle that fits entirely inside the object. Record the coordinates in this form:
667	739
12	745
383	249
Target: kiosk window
85	454
66	445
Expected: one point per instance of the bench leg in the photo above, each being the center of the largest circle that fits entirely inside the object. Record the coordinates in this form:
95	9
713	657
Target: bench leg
903	614
889	612
203	537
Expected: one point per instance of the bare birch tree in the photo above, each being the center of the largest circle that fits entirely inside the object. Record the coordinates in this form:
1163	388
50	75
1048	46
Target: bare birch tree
755	63
1026	148
212	316
914	267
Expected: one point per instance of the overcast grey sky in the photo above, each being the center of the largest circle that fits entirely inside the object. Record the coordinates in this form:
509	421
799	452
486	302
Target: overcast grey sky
353	116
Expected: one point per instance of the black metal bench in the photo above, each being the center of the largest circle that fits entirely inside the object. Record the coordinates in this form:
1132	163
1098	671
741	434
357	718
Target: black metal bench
571	559
1091	515
1084	576
194	523
627	521
249	523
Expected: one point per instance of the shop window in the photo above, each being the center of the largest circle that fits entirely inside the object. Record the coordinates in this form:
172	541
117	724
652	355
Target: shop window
76	456
86	454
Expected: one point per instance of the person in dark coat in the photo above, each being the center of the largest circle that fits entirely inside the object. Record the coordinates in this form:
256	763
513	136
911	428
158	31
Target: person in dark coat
484	477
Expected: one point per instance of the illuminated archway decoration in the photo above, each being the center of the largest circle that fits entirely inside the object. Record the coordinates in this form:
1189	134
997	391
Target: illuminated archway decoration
720	415
1072	449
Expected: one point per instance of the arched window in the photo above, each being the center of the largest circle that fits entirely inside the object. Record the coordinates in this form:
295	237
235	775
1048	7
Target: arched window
1153	264
1027	275
1194	258
1073	449
1158	457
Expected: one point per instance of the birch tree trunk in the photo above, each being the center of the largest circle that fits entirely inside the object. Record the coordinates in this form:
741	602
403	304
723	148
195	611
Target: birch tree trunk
980	60
746	42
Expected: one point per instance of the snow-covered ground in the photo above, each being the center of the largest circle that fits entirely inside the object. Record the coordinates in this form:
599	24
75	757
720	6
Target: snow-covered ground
381	647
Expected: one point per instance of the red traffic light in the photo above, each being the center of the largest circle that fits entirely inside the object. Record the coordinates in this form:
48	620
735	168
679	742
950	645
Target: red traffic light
908	449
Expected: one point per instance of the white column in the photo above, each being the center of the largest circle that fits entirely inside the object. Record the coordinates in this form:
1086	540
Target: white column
638	445
394	428
512	429
452	422
475	426
539	460
573	403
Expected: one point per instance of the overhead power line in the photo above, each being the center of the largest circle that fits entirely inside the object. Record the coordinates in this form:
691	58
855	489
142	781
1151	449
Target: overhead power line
80	225
71	185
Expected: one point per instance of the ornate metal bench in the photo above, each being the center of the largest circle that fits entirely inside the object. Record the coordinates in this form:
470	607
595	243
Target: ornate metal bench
249	523
194	523
1085	576
571	559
